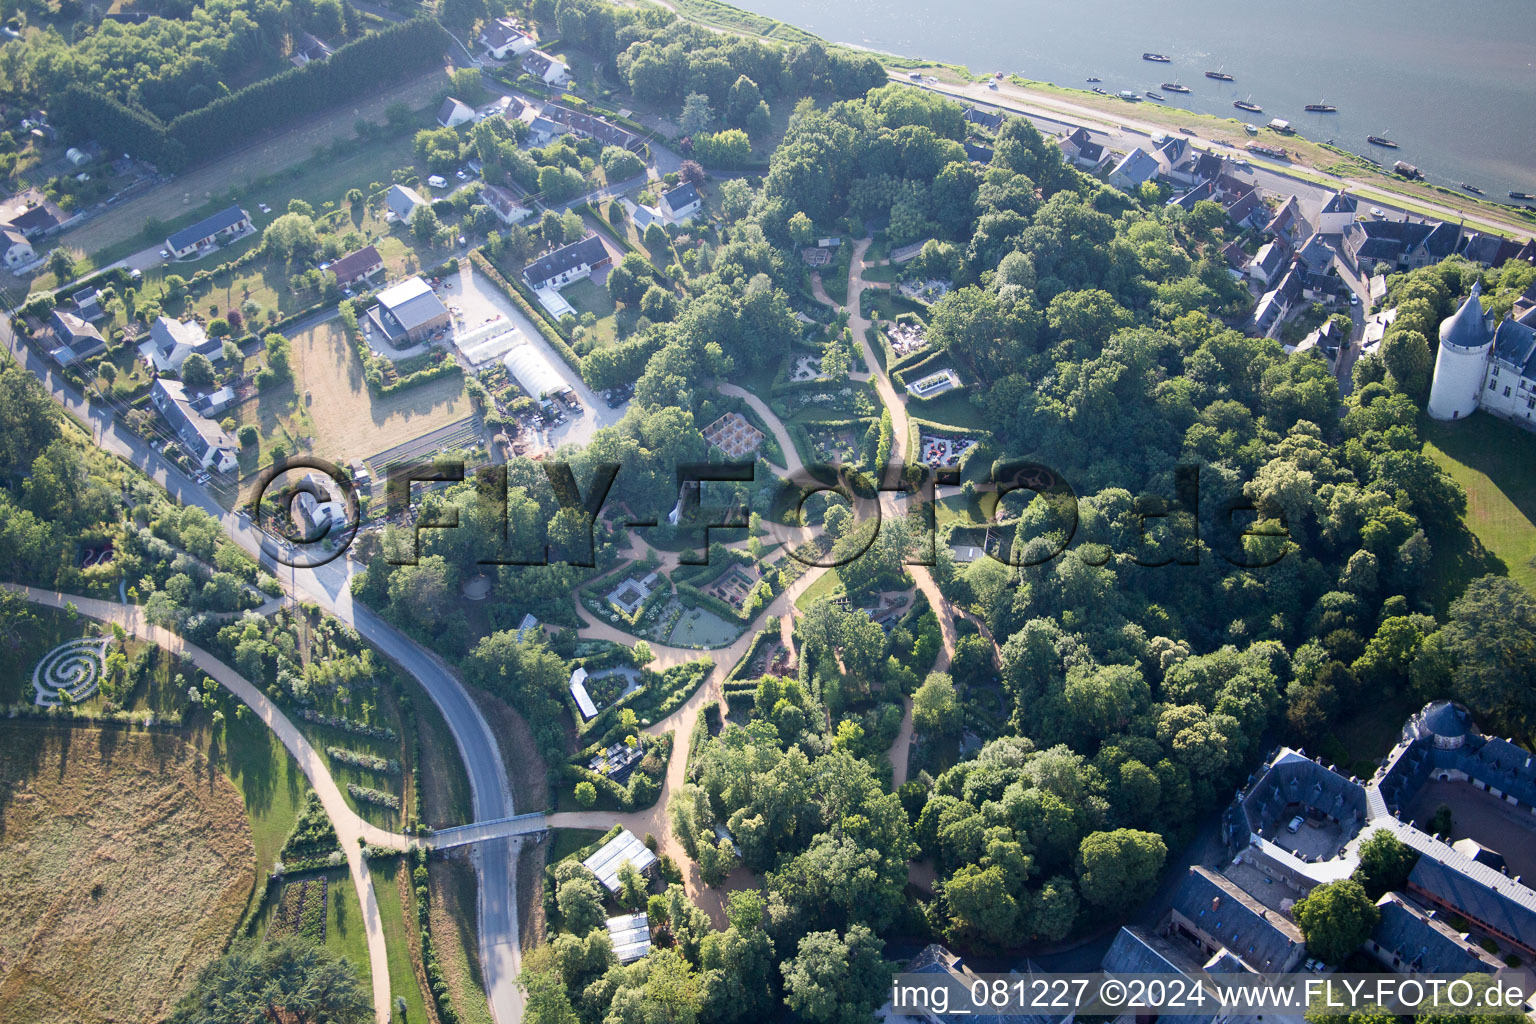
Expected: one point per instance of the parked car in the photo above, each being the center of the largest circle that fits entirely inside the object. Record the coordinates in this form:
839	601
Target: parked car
1295	824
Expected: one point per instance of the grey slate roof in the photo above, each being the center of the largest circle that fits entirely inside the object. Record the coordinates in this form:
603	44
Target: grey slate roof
978	152
1478	892
1132	952
1426	944
221	221
1260	937
1466	328
1443	239
1316	254
992	119
1341	202
1138	166
681	196
1514	345
589	250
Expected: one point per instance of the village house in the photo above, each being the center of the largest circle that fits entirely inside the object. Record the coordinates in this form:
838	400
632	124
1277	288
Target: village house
978	153
17	250
307	48
1244	206
503	38
991	120
74	338
207	233
1337	214
1268	263
408	312
170	342
401	201
454	112
1176	160
357	266
569	263
1288	226
1399	244
679	204
550	69
88	304
31	213
209	444
504	204
1080	149
1135	168
1274	304
593	126
1489	250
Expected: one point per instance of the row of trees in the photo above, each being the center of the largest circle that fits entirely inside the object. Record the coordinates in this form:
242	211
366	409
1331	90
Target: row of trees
229	120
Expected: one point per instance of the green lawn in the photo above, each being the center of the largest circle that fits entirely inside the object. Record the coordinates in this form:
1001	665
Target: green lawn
566	841
953	408
1495	462
266	775
827	586
393	914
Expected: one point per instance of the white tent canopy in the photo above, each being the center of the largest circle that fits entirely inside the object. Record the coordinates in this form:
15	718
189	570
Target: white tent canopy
533	372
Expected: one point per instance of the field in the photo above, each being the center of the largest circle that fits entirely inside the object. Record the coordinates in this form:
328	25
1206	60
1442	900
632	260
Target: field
126	863
1495	462
201	191
329	401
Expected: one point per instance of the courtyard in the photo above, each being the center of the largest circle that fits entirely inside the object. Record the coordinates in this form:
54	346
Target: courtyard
1478	815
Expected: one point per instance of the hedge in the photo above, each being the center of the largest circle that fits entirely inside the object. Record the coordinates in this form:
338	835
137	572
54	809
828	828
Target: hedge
746	659
535	313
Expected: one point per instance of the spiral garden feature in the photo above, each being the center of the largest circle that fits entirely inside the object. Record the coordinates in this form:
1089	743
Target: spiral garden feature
74	667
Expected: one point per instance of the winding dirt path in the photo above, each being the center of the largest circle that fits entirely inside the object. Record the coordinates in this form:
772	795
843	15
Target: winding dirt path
349	827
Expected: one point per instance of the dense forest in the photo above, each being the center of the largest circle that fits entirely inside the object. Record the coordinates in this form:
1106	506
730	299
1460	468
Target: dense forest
181	57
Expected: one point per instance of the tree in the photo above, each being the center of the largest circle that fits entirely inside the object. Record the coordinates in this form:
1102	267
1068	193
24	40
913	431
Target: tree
424	224
249	435
1491	640
1385	863
658	305
693	173
290	979
279	355
586	793
291	237
697	114
1116	869
835	979
1336	919
61	265
801	230
579	898
197	370
1409	362
935	709
619	164
730	148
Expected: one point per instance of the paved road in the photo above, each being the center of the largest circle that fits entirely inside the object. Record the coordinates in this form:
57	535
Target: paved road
1124	131
329	587
349	827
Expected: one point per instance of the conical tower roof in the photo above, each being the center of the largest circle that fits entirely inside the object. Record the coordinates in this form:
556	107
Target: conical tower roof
1466	328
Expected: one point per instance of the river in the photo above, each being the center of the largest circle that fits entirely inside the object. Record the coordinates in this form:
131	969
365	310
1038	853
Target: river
1453	83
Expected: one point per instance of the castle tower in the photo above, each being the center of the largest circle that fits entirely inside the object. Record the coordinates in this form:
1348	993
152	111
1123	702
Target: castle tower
1462	362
